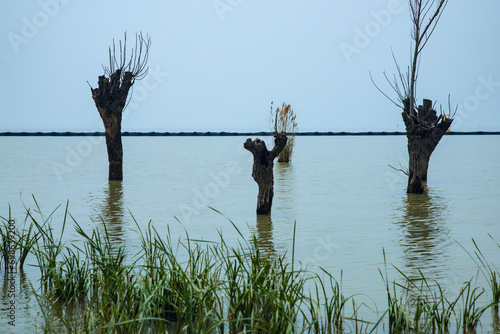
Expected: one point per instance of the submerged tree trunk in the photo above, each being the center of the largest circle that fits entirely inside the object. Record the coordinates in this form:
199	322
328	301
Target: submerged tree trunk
110	99
262	172
115	149
424	130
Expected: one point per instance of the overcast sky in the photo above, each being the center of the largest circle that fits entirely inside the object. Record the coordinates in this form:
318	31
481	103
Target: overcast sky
215	65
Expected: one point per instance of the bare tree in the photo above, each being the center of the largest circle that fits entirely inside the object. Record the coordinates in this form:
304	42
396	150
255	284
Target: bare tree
424	128
111	95
262	172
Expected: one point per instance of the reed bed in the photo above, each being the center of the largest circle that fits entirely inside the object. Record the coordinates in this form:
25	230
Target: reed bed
283	120
94	287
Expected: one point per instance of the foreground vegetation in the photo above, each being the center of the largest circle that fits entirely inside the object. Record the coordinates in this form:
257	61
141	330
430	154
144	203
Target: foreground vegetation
93	287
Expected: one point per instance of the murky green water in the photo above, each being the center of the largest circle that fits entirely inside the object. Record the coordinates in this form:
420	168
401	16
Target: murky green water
347	203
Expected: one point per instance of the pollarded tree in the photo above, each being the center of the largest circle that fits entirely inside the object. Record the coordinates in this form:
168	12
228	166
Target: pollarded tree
262	172
111	95
424	128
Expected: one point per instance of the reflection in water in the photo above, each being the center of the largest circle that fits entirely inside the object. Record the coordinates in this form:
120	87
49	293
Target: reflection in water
111	210
265	234
16	288
425	234
284	191
283	207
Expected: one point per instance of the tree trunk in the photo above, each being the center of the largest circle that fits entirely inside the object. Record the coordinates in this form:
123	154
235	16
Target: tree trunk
110	98
424	130
114	144
262	172
266	193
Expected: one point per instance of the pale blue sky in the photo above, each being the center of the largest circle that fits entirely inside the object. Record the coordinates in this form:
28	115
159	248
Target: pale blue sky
215	65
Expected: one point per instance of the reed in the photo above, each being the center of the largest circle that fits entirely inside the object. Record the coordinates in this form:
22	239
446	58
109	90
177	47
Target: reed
48	251
399	318
194	286
424	306
188	294
326	307
16	245
489	272
263	293
283	120
471	313
4	245
27	239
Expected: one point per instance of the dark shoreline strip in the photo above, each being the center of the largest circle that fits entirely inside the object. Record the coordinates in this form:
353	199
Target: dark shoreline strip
222	134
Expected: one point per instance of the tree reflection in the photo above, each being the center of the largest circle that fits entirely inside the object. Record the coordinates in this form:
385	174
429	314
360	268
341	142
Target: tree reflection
284	189
425	233
265	234
112	210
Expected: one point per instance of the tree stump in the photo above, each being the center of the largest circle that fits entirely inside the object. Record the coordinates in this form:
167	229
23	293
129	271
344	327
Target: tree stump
110	99
424	130
262	172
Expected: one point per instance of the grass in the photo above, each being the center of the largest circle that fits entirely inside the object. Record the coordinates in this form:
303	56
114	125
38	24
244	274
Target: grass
283	120
217	288
16	240
471	312
326	308
419	305
489	272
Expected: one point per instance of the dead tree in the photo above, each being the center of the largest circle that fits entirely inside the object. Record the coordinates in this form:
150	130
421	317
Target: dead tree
111	95
424	131
262	172
424	128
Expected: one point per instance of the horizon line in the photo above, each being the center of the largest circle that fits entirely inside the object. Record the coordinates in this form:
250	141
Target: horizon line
225	133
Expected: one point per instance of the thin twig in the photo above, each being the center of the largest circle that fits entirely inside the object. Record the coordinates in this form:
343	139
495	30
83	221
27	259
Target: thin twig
399	169
381	91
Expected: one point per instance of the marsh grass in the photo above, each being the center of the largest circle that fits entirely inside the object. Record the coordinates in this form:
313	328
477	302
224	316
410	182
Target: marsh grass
397	312
489	272
19	242
286	154
196	286
49	250
263	293
283	120
419	305
471	313
326	307
4	244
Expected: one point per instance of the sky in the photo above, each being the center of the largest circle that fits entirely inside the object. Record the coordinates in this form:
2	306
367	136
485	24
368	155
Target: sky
216	65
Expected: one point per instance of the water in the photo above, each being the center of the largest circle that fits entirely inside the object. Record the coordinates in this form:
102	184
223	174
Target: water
347	204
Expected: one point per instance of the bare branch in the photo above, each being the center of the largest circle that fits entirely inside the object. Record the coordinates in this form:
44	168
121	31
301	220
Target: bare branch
433	21
380	90
399	169
276	123
451	115
136	64
405	84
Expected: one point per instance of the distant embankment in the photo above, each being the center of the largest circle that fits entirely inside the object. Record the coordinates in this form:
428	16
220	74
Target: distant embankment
220	134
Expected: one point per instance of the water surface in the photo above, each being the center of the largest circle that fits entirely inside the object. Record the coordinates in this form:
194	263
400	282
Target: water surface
347	204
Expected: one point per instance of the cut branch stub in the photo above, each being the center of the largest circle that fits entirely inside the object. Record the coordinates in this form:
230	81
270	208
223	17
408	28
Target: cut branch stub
424	130
262	172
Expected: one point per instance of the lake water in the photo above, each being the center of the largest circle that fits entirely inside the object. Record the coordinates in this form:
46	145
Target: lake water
347	203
